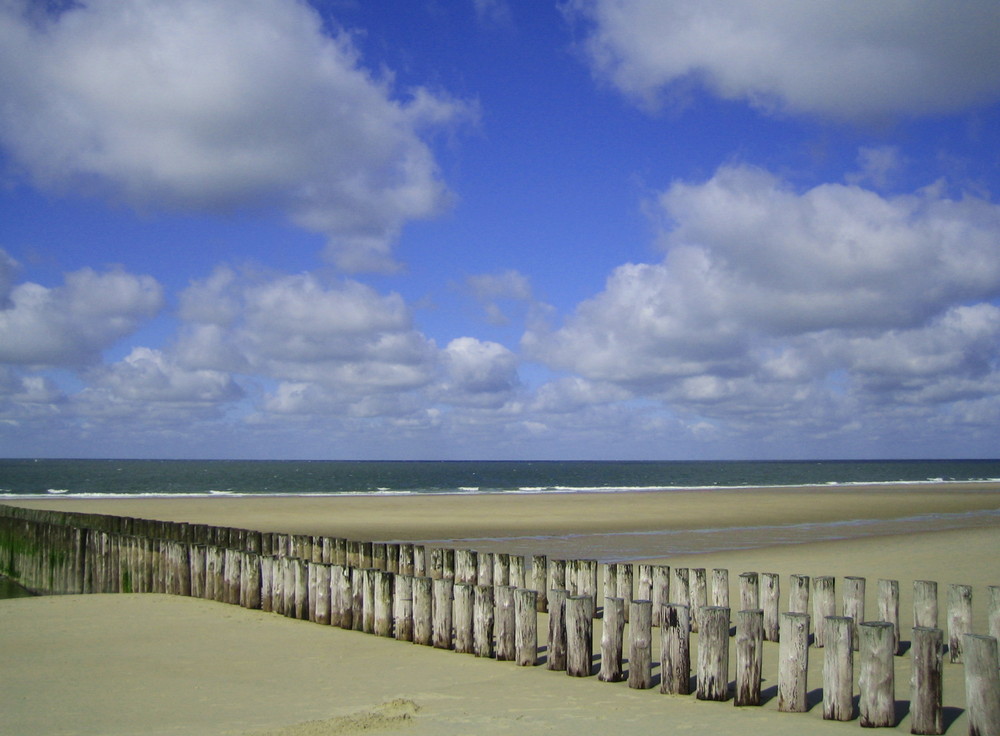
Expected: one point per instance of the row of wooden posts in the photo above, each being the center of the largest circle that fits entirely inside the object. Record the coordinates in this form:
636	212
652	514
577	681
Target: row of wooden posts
487	604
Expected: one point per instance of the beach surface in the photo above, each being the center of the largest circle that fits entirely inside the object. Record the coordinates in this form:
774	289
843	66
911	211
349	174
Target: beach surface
154	664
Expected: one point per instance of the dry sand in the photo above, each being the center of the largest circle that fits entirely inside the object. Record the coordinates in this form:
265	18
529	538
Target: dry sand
151	664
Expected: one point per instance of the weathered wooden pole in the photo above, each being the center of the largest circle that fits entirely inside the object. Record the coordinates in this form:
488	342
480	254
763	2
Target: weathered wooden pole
557	575
463	613
423	621
680	589
402	607
838	669
982	685
644	583
770	599
384	585
501	569
749	656
341	612
556	658
250	583
993	612
484	568
640	645
675	650
368	601
749	591
419	561
579	635
798	594
698	591
854	605
321	594
793	663
661	591
888	608
517	571
539	578
824	605
624	573
525	627
406	559
442	612
876	679
959	619
197	559
720	587
505	622
392	557
612	633
926	712
358	599
435	566
483	611
713	654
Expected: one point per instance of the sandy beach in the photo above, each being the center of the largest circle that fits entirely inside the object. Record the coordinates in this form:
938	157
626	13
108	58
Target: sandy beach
154	664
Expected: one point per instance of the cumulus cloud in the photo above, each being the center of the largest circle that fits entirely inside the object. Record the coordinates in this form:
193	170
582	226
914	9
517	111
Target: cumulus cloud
147	375
478	372
212	106
845	60
775	303
70	325
343	336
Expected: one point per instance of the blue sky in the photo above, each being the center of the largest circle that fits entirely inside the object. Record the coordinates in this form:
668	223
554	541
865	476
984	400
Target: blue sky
609	229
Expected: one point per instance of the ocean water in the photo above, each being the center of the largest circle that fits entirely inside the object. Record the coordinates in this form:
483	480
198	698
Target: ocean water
103	478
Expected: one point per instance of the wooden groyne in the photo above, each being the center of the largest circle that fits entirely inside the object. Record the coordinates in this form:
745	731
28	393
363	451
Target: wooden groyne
487	604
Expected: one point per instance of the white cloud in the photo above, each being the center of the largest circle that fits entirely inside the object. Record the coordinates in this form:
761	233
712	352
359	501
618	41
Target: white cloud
790	308
70	325
147	375
212	106
478	372
343	336
849	60
490	289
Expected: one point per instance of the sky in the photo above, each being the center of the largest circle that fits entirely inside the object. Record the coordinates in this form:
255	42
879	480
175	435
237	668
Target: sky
499	229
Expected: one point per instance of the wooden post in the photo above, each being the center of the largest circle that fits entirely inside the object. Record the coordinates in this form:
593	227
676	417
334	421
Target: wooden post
557	575
680	590
384	585
423	621
517	568
368	601
640	645
770	596
505	622
539	578
798	594
402	607
749	656
612	634
579	635
624	572
824	600
793	663
749	591
341	605
557	630
463	612
699	595
720	587
484	568
854	605
888	608
982	684
675	650
482	626
321	593
926	713
442	608
436	563
358	599
876	680
610	580
572	577
661	591
959	619
501	569
392	557
419	561
713	654
406	559
838	669
197	558
644	583
525	627
993	612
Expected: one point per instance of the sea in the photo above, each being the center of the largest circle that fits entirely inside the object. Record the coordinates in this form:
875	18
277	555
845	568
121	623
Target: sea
55	478
27	477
